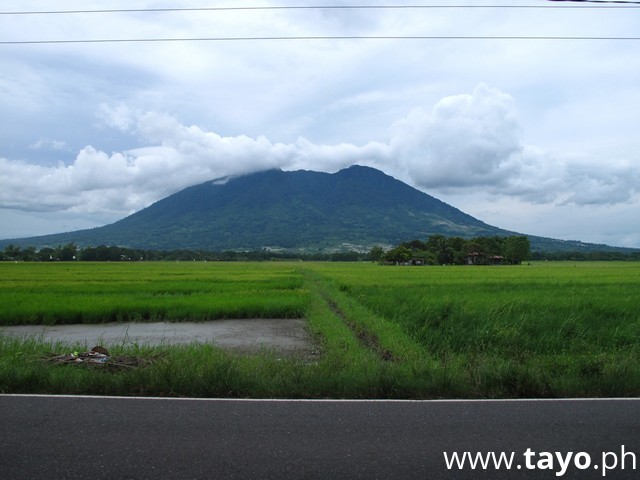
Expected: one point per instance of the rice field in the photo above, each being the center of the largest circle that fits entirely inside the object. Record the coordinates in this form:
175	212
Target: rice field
542	330
50	294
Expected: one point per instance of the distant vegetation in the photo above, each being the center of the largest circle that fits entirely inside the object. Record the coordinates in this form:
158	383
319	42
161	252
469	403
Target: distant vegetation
435	250
71	252
494	250
440	250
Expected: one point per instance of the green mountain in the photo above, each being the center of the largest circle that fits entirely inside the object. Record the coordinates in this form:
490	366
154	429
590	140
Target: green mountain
355	208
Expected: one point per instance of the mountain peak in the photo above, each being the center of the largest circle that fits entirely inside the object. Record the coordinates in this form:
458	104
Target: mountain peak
356	207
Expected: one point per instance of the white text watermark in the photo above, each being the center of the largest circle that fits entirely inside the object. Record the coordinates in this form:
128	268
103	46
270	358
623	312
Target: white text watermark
558	462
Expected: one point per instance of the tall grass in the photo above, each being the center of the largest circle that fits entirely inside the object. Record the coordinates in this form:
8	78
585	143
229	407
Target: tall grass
538	330
506	310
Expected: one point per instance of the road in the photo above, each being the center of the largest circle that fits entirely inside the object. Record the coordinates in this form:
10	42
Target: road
44	437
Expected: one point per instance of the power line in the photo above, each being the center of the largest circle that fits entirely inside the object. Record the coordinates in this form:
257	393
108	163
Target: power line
602	4
311	38
320	7
618	2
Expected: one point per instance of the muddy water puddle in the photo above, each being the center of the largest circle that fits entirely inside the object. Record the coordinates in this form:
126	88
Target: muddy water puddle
283	335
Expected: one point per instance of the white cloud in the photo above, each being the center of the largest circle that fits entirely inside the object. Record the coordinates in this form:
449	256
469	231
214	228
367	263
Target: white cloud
465	140
48	144
606	224
602	185
119	116
470	143
474	143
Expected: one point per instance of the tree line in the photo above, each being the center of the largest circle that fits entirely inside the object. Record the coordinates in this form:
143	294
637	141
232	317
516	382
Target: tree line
441	250
435	250
71	252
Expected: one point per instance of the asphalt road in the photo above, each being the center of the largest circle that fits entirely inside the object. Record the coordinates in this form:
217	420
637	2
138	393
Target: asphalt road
123	438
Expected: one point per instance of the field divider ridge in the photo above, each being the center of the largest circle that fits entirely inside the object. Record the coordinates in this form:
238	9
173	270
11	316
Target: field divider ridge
377	334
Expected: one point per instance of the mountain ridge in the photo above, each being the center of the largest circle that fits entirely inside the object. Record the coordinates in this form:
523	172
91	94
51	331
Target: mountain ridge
355	208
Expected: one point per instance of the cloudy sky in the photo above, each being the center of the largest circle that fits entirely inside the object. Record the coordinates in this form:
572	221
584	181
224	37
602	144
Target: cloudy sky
537	135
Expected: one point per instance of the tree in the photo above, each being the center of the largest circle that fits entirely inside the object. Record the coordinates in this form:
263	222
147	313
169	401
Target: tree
438	245
68	252
399	254
517	249
415	245
12	252
46	254
102	254
491	245
376	254
88	254
457	246
29	254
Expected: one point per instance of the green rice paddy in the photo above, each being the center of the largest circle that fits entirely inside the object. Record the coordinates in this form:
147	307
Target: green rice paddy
542	330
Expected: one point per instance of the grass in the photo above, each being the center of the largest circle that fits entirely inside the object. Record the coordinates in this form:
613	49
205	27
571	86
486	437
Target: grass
96	293
541	330
528	331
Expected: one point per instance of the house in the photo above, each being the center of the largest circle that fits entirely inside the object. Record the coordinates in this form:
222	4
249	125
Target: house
473	258
477	258
495	260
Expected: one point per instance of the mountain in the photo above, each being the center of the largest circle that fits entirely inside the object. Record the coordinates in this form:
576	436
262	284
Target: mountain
355	208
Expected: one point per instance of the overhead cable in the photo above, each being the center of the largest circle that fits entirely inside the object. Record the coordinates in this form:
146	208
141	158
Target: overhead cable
308	38
616	2
602	4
